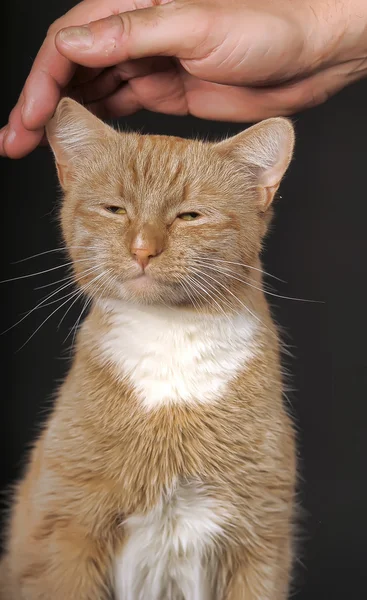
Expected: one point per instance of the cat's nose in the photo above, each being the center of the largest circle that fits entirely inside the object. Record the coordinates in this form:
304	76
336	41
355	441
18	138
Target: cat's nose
146	243
142	256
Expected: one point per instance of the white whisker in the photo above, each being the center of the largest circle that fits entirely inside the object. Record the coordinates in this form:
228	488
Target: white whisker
102	287
191	297
45	271
81	293
210	295
45	321
229	273
237	299
73	282
54	250
220	294
213	266
45	302
87	302
71	277
219	260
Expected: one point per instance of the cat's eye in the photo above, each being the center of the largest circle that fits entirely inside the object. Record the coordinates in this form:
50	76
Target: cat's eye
116	210
188	216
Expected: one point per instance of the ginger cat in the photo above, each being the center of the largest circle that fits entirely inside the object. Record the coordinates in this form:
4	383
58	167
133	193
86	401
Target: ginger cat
167	468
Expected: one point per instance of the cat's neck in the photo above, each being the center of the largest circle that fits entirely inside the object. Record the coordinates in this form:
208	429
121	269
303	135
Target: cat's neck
172	355
159	320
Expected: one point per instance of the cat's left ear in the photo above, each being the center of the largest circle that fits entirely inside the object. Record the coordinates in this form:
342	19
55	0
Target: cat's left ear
266	150
74	134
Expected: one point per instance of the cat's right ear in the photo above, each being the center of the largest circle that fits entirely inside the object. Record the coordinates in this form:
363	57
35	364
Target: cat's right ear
266	149
74	133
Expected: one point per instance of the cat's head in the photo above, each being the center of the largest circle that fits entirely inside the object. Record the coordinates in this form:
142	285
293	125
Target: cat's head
157	219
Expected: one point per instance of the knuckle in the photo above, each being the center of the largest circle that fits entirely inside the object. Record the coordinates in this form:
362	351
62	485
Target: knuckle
126	22
204	31
55	27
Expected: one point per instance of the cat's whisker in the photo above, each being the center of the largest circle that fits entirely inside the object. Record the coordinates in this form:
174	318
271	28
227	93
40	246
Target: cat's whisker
87	302
101	289
230	262
200	289
229	273
110	279
45	321
42	303
82	291
71	278
43	272
239	301
207	265
42	287
73	282
74	328
199	298
219	294
39	305
54	250
72	293
209	294
188	292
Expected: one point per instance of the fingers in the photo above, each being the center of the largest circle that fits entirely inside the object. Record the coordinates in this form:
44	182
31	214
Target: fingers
170	29
121	104
83	75
111	79
26	122
160	92
51	72
15	141
46	81
248	105
176	92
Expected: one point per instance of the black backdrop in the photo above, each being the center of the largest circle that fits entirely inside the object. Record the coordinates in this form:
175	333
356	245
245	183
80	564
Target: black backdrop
318	246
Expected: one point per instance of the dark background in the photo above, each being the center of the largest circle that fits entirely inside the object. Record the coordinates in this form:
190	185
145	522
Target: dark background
318	246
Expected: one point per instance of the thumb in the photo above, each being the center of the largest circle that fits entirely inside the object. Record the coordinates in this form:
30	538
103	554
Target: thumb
173	28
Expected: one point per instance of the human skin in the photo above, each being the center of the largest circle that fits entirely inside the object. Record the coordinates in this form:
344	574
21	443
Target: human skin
231	60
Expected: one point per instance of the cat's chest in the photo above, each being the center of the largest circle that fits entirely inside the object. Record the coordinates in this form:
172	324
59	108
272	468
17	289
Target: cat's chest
169	358
169	550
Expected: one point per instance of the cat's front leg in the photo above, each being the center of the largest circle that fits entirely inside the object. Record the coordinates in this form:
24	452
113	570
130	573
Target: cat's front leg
266	578
60	561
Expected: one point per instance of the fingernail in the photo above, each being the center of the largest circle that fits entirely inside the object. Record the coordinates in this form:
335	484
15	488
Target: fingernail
77	37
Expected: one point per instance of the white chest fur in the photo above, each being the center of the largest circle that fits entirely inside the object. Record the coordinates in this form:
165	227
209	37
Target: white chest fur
167	555
172	356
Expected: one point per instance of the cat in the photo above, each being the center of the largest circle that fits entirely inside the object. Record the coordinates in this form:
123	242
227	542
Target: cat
167	468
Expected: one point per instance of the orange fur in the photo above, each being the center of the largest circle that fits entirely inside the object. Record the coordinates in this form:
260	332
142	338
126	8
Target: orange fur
103	455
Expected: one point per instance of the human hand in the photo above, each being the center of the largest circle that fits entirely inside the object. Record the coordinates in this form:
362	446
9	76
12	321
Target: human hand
232	60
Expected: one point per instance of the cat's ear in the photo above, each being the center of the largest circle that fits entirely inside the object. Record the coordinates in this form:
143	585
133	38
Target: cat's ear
266	148
73	133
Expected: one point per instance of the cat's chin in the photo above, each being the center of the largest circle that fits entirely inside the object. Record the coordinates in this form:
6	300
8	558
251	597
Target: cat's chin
144	289
141	282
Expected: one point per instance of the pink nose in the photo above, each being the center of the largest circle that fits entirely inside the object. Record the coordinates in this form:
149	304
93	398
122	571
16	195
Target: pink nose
142	256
